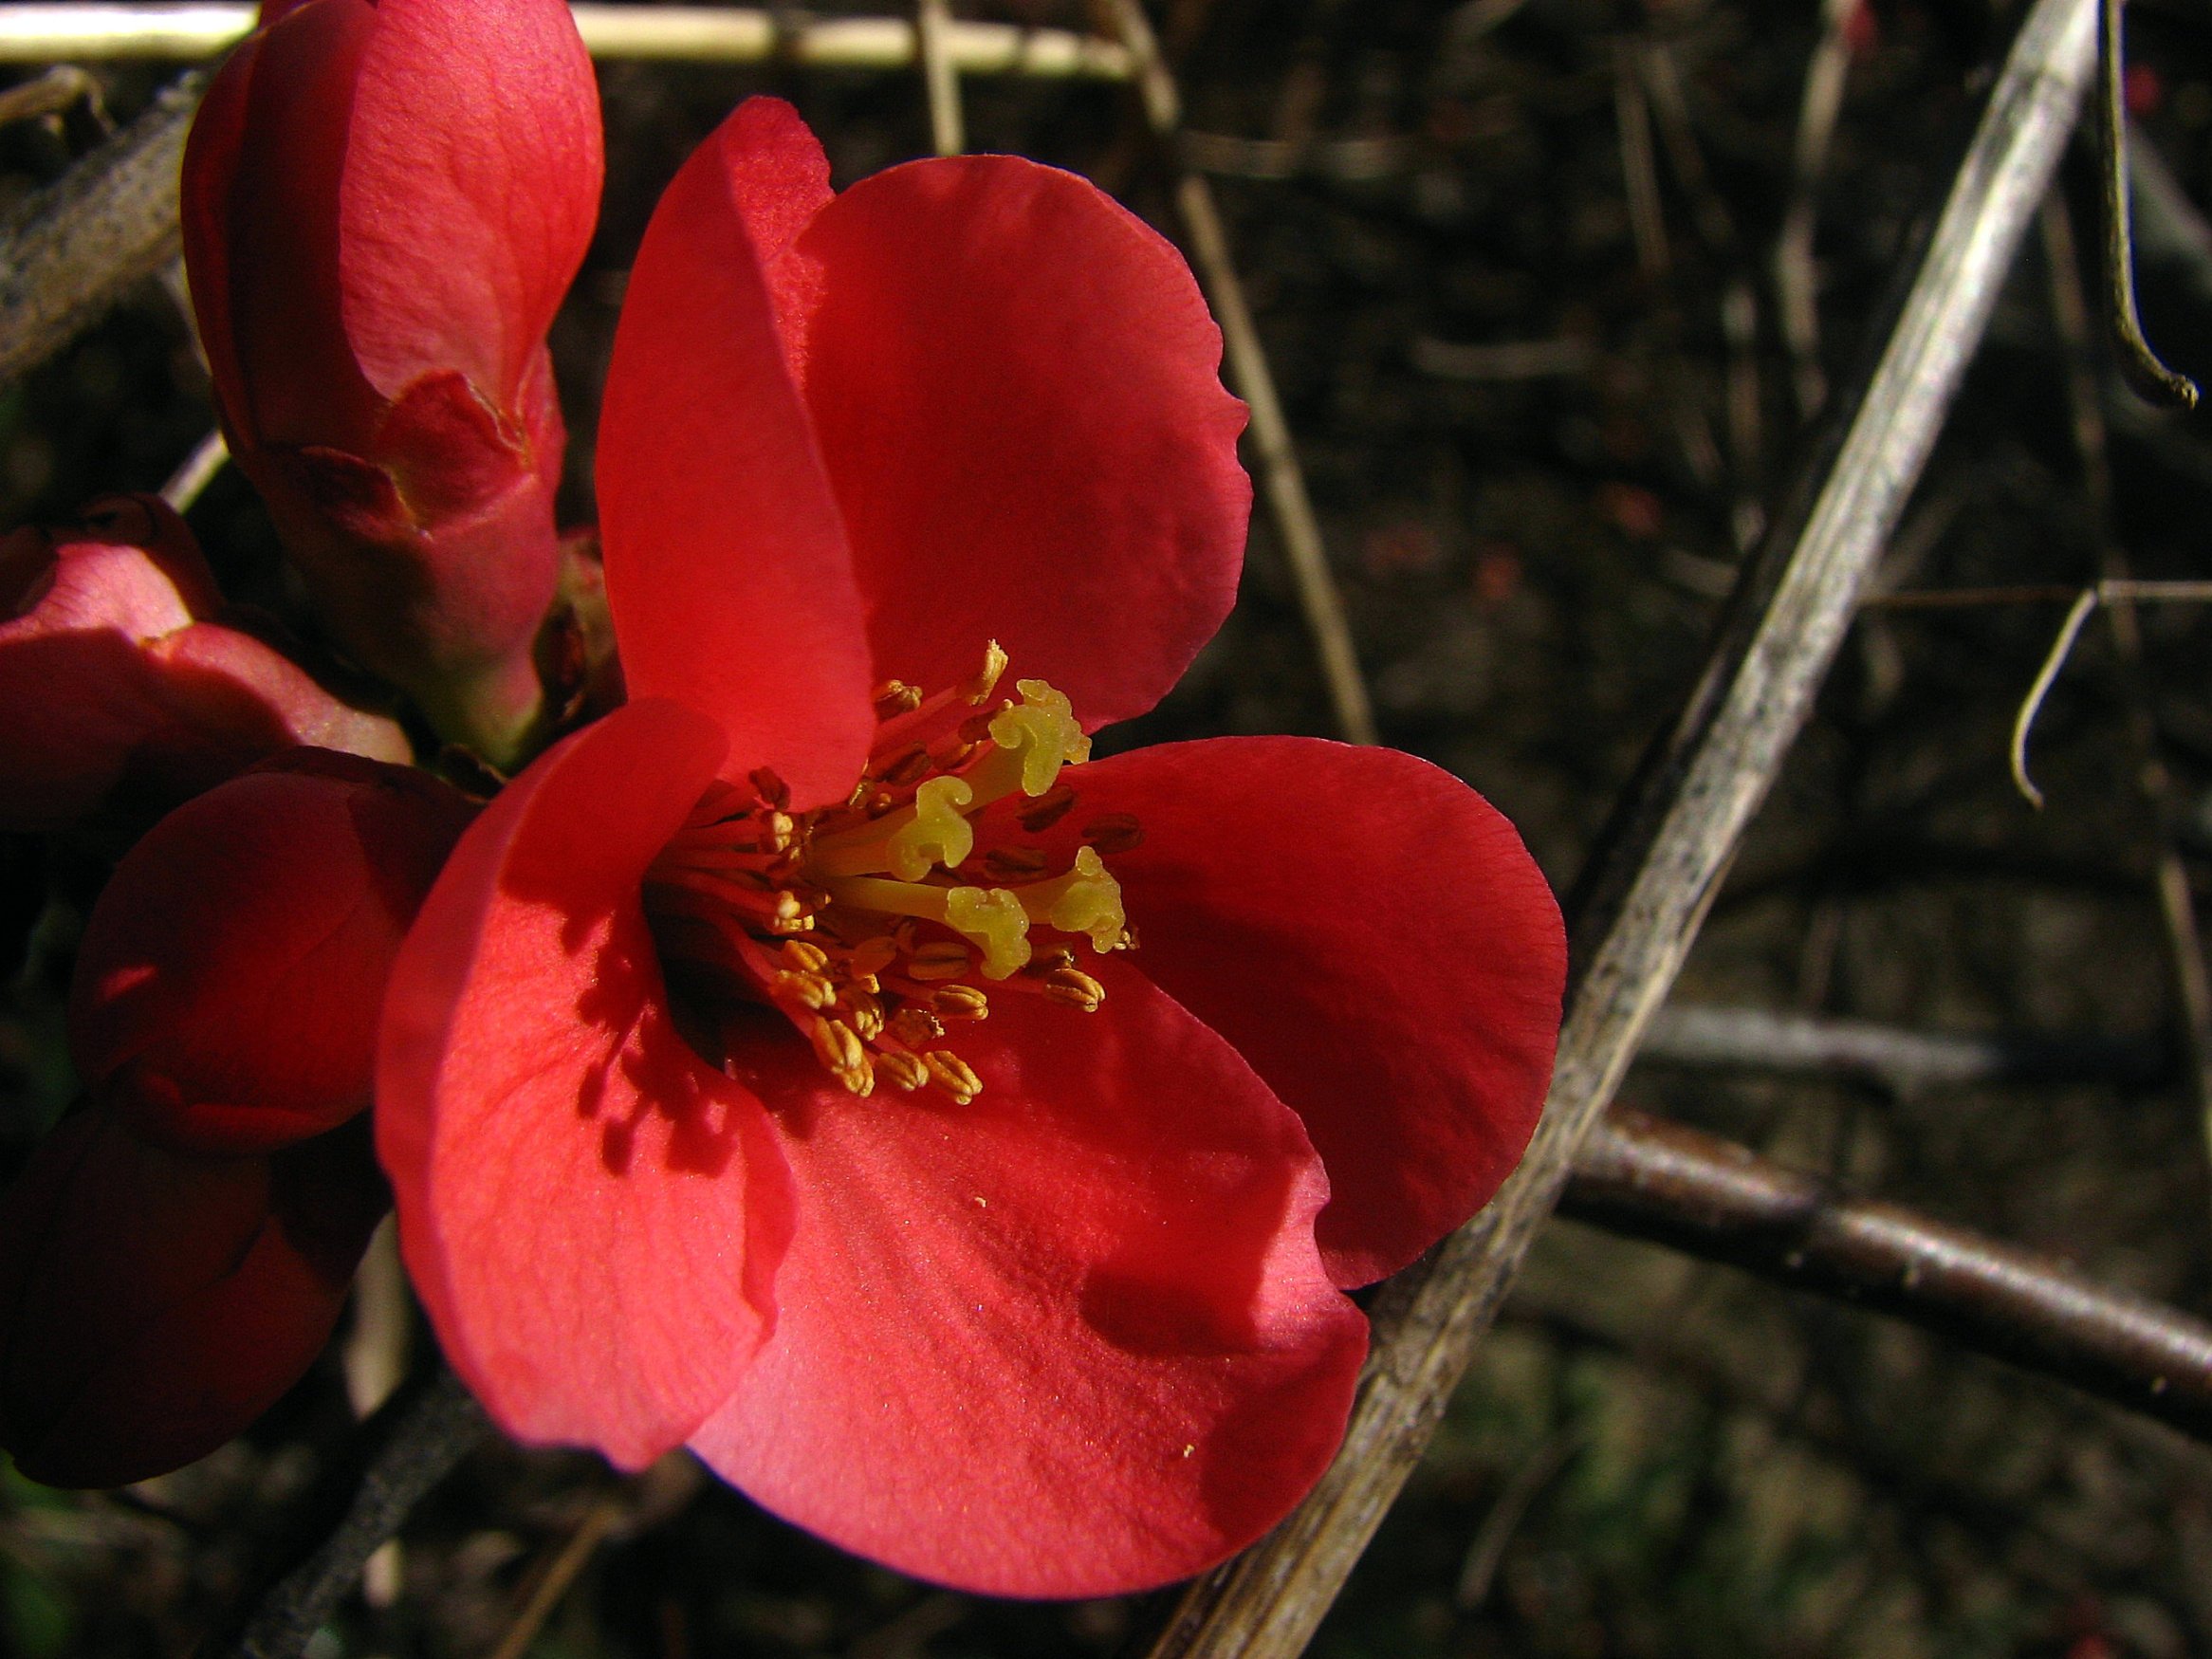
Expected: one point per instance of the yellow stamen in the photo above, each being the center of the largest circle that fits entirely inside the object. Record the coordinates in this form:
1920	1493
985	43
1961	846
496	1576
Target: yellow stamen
960	1001
1076	990
902	1071
950	1074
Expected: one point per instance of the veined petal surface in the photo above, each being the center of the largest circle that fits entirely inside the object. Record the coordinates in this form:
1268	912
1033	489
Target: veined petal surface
1016	386
1071	1338
728	574
1374	938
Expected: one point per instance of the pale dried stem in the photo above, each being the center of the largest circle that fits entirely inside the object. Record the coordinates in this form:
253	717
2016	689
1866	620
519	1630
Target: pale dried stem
1665	863
1282	483
2032	704
69	252
689	34
940	76
195	471
1795	281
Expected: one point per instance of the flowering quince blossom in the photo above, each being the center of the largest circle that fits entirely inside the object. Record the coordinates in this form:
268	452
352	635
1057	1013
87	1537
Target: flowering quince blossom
120	695
771	1068
383	204
176	1252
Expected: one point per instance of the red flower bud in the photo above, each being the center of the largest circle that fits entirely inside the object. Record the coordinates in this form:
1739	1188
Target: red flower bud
153	1304
228	983
117	697
383	205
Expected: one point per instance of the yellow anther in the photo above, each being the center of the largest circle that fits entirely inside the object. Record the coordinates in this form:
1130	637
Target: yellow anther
937	834
960	1001
950	1074
861	1011
902	1071
993	918
837	1047
1076	990
940	959
801	958
1085	900
986	679
809	990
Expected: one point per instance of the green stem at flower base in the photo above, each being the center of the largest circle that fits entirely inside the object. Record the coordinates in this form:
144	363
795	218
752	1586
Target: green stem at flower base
497	715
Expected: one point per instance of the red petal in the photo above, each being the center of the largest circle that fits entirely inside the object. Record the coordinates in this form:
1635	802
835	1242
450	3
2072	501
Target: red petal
112	697
472	181
779	179
227	985
1374	938
1070	1339
1014	380
152	1306
209	175
261	216
727	570
591	1214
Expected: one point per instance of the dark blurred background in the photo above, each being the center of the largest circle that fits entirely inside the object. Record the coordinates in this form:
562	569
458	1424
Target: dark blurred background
1522	270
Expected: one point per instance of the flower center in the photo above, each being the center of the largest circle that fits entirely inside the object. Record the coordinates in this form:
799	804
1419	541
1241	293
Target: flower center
869	924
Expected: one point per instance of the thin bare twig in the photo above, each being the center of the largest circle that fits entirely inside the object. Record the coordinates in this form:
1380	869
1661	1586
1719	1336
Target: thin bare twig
693	34
2032	704
1639	169
424	1433
69	252
1692	1191
1509	359
2149	377
1272	448
1638	915
1899	1060
1950	599
575	1554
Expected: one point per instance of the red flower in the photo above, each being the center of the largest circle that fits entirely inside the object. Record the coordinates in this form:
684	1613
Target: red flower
176	1253
695	1129
120	697
383	205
